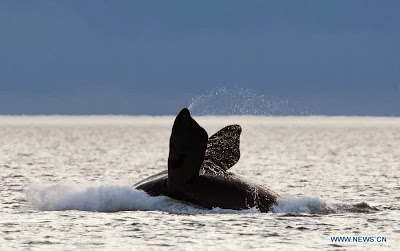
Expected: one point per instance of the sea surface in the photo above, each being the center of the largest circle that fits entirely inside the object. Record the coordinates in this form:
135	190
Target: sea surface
66	184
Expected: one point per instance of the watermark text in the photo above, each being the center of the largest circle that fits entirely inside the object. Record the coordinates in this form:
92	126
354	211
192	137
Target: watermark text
361	239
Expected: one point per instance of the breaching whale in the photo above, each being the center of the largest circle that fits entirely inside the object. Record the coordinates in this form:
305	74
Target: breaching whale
198	170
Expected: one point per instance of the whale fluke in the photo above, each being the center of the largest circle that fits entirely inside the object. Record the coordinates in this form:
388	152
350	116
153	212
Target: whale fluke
223	150
187	148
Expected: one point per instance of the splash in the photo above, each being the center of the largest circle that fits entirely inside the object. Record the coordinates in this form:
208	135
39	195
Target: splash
241	101
314	205
114	198
110	198
302	205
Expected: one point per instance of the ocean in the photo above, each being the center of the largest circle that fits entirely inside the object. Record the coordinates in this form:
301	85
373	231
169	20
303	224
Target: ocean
67	184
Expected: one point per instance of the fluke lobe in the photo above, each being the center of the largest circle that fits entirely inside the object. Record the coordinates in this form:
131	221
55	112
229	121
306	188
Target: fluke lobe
198	170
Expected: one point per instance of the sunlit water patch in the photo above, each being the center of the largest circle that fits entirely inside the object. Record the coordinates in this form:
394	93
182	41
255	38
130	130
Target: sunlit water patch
66	184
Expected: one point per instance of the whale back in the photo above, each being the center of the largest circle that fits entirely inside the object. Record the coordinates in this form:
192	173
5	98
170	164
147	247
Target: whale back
187	148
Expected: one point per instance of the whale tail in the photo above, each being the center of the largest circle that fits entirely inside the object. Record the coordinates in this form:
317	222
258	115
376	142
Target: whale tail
187	148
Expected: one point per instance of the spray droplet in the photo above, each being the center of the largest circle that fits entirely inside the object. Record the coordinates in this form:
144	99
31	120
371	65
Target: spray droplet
241	101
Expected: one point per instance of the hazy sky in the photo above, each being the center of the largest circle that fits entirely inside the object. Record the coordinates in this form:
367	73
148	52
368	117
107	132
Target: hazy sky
153	57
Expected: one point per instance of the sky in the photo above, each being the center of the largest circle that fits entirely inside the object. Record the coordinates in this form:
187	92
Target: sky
155	57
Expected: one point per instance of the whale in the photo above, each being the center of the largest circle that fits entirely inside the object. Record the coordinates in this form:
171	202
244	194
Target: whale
198	170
